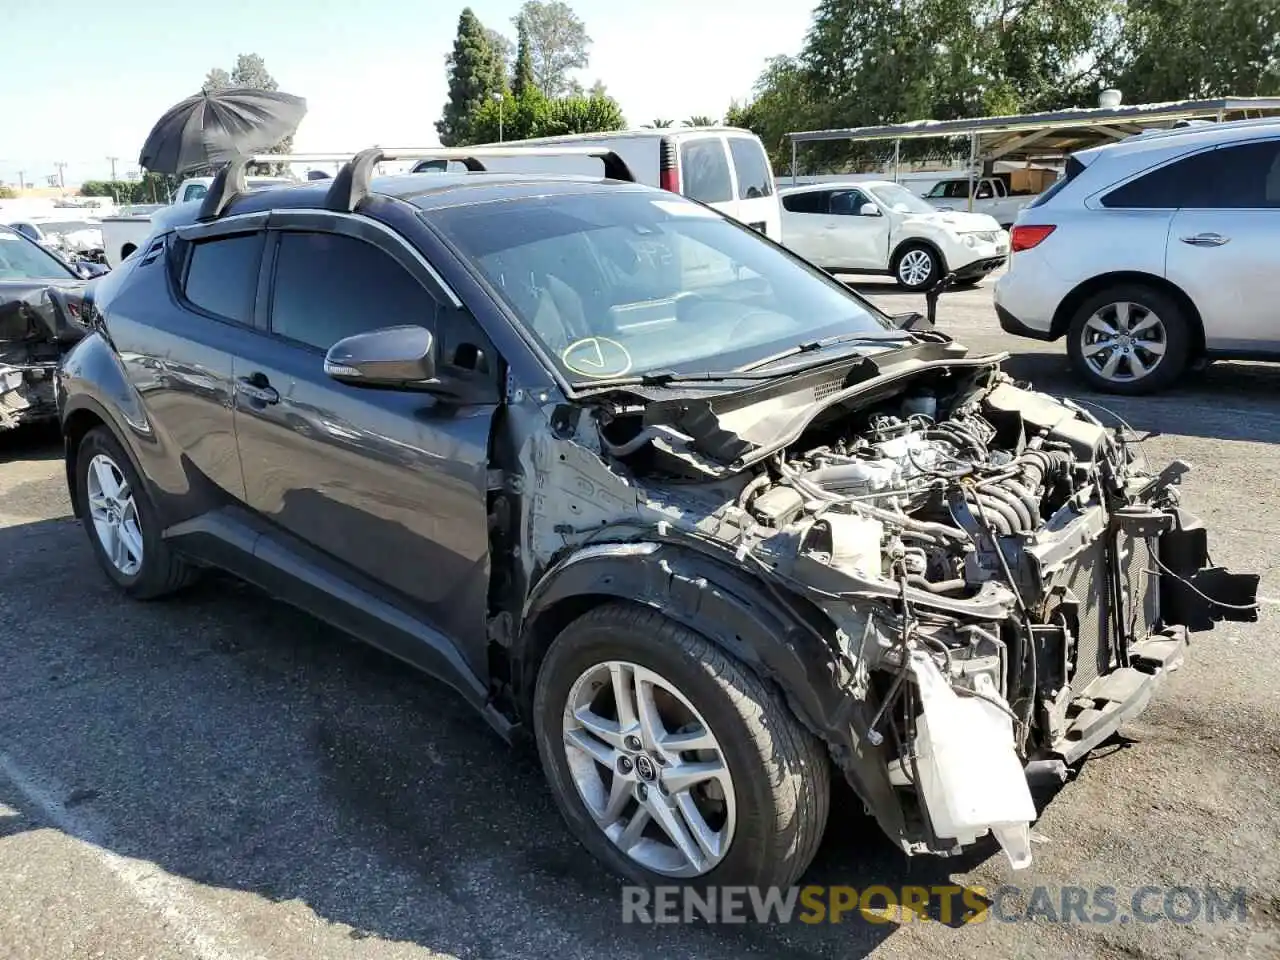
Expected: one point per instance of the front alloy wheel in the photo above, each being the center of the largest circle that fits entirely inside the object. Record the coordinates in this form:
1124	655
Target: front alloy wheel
114	513
671	761
649	769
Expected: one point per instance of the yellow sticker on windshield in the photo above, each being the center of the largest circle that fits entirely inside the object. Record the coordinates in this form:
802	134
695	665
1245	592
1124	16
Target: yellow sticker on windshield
596	357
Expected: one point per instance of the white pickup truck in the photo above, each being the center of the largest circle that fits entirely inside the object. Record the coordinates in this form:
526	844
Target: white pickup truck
122	235
991	196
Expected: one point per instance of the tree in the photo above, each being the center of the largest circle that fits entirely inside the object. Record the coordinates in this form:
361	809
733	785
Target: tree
1184	49
476	73
7	192
503	47
558	43
534	115
250	70
658	125
522	80
598	89
216	79
700	120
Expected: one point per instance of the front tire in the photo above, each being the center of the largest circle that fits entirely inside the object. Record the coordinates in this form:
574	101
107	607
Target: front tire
122	522
917	267
670	761
1129	339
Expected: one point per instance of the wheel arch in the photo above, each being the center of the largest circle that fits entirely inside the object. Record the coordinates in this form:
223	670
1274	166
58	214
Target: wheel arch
1072	301
780	637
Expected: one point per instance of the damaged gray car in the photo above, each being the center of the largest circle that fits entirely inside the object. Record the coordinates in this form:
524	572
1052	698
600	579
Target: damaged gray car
40	305
642	485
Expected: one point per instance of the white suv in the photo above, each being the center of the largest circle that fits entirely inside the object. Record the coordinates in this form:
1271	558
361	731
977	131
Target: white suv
1152	254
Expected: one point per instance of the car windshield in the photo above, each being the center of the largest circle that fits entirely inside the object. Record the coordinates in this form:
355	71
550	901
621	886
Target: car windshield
628	282
23	260
898	198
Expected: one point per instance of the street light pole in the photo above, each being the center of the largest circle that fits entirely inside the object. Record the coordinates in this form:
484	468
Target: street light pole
497	95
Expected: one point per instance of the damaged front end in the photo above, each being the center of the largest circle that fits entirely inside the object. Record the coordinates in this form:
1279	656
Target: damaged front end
39	321
1000	582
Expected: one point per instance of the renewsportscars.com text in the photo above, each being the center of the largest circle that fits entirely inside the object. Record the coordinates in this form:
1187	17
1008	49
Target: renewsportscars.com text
947	904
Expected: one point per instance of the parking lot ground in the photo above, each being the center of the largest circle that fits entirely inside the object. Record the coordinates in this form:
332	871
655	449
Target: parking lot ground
221	777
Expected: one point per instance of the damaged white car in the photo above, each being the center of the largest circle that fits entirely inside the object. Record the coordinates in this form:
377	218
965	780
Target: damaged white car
628	475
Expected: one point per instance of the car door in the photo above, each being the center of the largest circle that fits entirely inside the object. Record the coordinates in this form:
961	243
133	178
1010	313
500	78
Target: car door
182	313
1223	243
806	225
858	240
392	485
756	196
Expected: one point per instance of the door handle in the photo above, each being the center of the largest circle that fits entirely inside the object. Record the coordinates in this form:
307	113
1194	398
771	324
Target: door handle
1206	240
257	388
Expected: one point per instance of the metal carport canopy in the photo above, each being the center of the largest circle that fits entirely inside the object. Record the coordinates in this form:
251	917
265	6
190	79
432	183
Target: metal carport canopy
1057	132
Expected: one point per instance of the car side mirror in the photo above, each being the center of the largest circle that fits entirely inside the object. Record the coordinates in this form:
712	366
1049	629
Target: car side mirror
88	270
398	358
869	210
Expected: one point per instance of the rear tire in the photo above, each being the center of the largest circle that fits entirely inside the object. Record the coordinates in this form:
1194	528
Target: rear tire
774	776
122	522
917	267
1130	339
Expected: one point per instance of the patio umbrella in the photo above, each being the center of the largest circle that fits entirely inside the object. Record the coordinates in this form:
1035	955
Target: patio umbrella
215	127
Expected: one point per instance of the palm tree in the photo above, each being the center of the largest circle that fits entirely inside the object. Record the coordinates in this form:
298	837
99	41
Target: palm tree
701	120
658	125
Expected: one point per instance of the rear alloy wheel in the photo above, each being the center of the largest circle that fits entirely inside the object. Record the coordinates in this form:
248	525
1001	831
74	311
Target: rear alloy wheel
671	762
121	521
1129	340
917	268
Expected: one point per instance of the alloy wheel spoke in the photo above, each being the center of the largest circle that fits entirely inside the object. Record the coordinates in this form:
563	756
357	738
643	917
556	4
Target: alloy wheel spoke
1113	363
699	739
708	840
1153	347
673	825
106	478
586	740
131	537
1122	317
652	733
624	695
618	799
1136	366
1101	326
1096	347
1150	321
635	828
680	778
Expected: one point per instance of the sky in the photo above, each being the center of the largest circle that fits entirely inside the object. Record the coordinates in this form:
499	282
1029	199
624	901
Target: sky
373	71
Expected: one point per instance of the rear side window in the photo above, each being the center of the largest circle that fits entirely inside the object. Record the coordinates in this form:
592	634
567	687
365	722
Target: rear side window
704	169
329	286
222	276
1073	169
754	177
812	201
1182	183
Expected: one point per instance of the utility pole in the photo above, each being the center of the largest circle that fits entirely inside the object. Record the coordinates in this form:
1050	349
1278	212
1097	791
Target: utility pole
62	178
112	161
22	176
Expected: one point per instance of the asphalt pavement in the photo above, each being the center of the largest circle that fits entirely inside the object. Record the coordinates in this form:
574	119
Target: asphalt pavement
217	776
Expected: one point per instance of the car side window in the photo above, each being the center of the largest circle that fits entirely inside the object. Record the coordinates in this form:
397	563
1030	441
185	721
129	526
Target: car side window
1182	183
1243	176
329	286
221	275
984	191
752	166
810	201
705	170
848	203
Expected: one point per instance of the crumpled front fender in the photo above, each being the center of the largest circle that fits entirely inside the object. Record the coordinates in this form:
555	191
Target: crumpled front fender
781	637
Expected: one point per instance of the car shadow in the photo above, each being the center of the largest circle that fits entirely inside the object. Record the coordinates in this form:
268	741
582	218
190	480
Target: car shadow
243	745
31	441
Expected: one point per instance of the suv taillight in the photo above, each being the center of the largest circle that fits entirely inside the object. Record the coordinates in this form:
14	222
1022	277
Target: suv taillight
668	176
1026	236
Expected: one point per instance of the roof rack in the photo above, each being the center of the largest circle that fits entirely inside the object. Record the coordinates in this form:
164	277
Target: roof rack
351	184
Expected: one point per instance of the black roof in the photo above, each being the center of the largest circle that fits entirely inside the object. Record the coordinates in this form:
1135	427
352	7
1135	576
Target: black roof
431	191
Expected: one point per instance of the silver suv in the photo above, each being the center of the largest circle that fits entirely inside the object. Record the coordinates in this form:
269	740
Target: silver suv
1154	254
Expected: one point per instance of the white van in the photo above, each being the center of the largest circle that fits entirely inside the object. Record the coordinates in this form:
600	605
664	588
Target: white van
724	167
